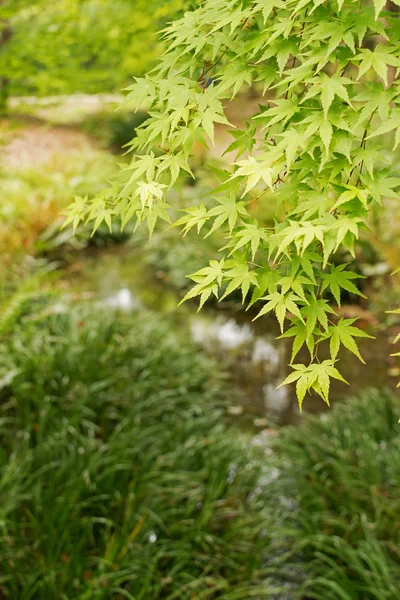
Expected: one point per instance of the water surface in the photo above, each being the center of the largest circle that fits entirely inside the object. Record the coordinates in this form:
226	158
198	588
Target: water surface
256	360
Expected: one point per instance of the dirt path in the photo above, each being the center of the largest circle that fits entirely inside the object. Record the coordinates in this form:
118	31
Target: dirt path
34	145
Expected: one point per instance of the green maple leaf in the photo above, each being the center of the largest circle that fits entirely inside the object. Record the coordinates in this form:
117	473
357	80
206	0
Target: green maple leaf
244	141
195	216
267	6
392	123
382	185
267	280
337	279
240	276
316	312
296	284
312	204
315	376
379	5
299	332
99	212
249	234
281	304
369	157
378	60
147	191
327	88
140	165
152	214
302	234
210	111
208	280
235	74
282	112
76	212
140	92
174	163
229	210
352	192
255	171
346	227
343	334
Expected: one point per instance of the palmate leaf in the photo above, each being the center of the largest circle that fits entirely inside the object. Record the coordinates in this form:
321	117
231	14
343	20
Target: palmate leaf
148	191
267	280
301	234
378	60
210	112
343	334
299	332
249	235
281	304
208	281
315	376
351	193
339	279
228	209
151	215
254	171
346	230
174	163
244	141
389	125
316	312
195	216
240	276
327	88
75	212
267	6
382	185
296	283
282	112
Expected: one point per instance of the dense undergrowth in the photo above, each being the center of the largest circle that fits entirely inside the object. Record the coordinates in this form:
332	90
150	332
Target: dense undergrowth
344	469
120	478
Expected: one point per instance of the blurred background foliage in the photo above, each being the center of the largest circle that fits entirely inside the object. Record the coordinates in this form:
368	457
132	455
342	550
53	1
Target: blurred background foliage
90	46
134	462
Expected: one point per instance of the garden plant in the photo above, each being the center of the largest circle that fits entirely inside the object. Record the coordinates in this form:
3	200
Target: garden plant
328	70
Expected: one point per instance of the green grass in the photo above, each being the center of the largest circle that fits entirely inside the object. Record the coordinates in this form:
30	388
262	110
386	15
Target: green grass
343	472
119	478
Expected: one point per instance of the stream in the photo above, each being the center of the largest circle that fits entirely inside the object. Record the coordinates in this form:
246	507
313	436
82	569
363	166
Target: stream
256	360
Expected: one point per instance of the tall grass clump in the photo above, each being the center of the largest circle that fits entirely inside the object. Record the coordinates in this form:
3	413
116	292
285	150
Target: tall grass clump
343	471
118	477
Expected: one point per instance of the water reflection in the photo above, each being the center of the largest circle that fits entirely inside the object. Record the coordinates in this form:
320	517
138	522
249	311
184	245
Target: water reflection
258	363
122	299
228	333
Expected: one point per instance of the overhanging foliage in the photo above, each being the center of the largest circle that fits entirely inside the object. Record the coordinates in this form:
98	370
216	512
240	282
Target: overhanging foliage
328	70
